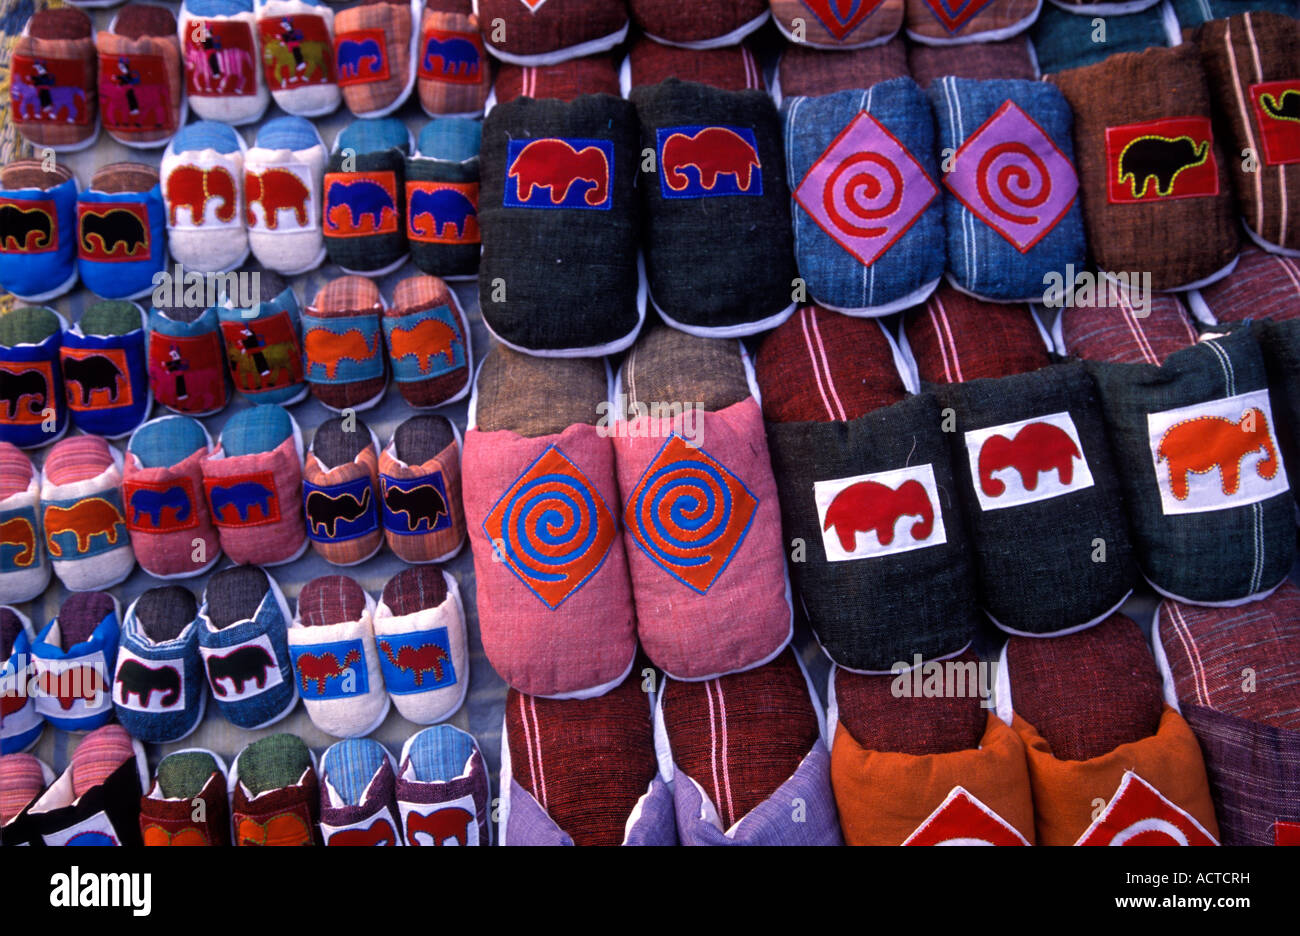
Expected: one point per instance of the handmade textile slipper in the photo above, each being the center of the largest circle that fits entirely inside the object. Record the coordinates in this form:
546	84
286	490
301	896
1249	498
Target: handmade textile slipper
1207	494
187	370
1248	737
835	25
343	354
358	795
981	61
956	337
546	32
560	222
718	247
24	567
442	789
223	72
298	53
341	491
1148	160
38	248
803	71
442	185
172	533
21	725
34	412
738	791
916	769
854	456
700	518
1088	708
23	778
898	260
698	26
96	801
242	636
263	348
159	687
183	780
253	482
121	231
332	642
365	208
453	75
275	795
1012	216
103	362
733	68
375	45
583	771
424	653
283	174
53	81
1064	40
83	514
202	178
1122	331
946	22
1033	463
419	482
141	88
541	496
1252	64
566	81
74	655
428	343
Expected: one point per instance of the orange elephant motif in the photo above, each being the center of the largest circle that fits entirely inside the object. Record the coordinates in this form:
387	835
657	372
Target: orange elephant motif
281	830
17	531
1202	444
327	348
427	339
91	517
156	835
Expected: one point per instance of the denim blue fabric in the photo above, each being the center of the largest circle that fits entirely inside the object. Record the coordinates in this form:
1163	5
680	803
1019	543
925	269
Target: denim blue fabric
38	272
1066	40
240	696
174	690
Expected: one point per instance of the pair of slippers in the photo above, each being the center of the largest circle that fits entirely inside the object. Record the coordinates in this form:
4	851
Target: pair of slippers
930	22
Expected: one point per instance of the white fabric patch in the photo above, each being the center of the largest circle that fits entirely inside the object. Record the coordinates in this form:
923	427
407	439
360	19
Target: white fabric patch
373	830
1216	455
93	830
148	685
75	687
283	192
440	823
860	516
1028	461
244	675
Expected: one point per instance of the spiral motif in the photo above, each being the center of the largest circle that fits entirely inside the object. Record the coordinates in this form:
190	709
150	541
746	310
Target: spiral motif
547	524
683	509
865	188
1012	180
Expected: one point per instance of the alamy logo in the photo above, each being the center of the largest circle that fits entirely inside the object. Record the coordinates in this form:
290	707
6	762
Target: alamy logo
75	889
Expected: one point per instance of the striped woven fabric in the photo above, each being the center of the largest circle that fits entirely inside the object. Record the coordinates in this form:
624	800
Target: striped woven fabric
16	470
805	71
77	458
1263	286
146	36
1121	334
99	754
393	19
734	68
330	599
955	337
452	88
595	74
1008	58
21	781
61	41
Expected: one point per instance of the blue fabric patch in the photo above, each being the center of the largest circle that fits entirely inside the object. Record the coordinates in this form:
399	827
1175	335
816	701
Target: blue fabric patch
82	527
20	540
331	670
350	765
417	662
248	664
339	512
560	173
701	161
431	342
30	383
440	753
415	505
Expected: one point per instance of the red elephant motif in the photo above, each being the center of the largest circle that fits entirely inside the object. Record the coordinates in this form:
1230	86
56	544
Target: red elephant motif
1202	444
712	152
872	506
451	822
276	190
191	187
555	165
1037	448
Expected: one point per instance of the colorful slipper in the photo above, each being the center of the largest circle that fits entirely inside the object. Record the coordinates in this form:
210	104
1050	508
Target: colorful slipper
420	632
23	778
442	185
428	343
565	81
263	347
453	73
648	62
442	789
375	45
942	22
365	209
159	687
187	371
21	723
31	385
141	88
38	249
341	491
692	26
121	232
956	337
202	178
24	566
74	656
223	74
343	354
275	795
283	173
1122	331
83	514
358	795
545	32
104	375
298	53
182	781
834	26
53	83
420	484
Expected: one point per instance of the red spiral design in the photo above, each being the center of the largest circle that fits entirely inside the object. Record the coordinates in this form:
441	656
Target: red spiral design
1020	180
867	187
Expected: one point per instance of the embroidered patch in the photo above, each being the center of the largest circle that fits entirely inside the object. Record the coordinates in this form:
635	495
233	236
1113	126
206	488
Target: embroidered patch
1171	158
96	378
361	56
452	56
1216	455
242	671
275	190
689	514
554	173
73	688
167	832
77	528
425	344
704	162
296	51
360	203
26	391
113	232
243	500
417	662
185	371
551	528
134	93
93	830
331	670
449	823
197	190
1286	833
841	17
442	212
962	819
160	506
289	827
860	515
1277	114
369	831
415	505
1027	461
1139	815
220	58
28	226
48	90
17	538
339	512
143	685
1011	176
866	190
955	15
263	353
342	349
533	5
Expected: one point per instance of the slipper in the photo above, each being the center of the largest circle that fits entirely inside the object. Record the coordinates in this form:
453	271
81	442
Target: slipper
835	26
283	175
202	178
364	215
22	725
442	186
23	778
733	68
121	231
375	46
74	656
453	75
263	347
275	793
53	84
159	687
187	370
546	32
83	514
103	362
442	789
223	75
420	485
424	652
343	355
35	411
955	337
949	22
1007	59
428	343
1123	332
341	492
565	81
24	567
803	71
1063	40
298	53
358	796
141	88
183	780
38	251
